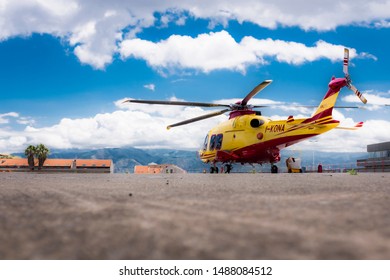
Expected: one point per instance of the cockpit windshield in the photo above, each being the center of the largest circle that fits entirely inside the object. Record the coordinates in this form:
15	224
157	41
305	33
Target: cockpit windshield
206	140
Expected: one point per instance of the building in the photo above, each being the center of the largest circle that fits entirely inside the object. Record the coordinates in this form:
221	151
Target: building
378	159
154	168
94	165
59	165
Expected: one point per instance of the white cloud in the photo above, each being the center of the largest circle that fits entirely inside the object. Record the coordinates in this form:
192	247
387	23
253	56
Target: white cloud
134	125
318	15
13	117
382	24
25	121
4	118
151	87
219	50
206	52
373	98
95	27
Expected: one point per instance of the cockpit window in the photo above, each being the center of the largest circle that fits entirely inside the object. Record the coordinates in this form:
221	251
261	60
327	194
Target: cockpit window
212	142
206	140
218	141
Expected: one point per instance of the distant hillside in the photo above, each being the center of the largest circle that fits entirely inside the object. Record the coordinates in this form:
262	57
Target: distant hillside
126	158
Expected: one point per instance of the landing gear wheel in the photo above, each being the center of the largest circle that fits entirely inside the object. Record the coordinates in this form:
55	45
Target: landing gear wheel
228	168
213	169
274	169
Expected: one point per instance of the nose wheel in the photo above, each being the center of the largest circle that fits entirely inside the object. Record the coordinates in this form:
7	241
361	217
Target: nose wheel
227	168
274	169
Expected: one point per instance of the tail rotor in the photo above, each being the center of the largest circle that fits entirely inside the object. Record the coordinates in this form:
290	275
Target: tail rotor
348	78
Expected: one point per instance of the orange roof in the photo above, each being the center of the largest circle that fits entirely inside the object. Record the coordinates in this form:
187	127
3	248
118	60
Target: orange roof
139	169
22	162
58	162
93	162
150	169
14	162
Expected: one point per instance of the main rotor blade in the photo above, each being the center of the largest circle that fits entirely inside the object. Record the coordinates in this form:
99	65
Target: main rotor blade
214	114
255	91
180	103
262	106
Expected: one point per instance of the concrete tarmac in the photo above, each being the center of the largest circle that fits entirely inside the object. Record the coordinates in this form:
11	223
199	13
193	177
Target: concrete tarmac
194	216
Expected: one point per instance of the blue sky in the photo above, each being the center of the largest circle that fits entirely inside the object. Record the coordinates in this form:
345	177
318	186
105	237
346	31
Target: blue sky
66	66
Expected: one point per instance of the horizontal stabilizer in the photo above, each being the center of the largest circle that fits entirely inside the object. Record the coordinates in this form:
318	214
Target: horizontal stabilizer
357	126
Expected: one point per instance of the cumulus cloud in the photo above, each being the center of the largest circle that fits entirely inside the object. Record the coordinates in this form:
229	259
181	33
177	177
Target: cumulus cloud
206	52
94	28
219	50
136	125
382	24
375	98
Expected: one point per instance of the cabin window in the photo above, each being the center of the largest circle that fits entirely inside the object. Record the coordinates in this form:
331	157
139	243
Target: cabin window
255	123
206	140
212	142
218	141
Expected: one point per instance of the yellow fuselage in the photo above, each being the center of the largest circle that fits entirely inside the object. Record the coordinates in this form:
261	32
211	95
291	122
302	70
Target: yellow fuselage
251	138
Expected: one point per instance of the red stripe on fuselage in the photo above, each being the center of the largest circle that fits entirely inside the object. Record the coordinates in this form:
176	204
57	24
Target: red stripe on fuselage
320	115
262	152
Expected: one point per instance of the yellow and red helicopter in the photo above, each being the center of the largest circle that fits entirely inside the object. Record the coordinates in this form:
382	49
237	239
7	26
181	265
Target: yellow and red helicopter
248	137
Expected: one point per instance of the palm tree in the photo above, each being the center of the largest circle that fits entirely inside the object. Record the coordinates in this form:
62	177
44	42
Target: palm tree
30	153
42	152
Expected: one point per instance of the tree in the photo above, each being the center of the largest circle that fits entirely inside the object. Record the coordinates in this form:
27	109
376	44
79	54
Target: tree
30	153
41	152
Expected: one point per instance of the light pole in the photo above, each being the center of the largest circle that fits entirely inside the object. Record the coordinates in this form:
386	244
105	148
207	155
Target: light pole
313	162
313	141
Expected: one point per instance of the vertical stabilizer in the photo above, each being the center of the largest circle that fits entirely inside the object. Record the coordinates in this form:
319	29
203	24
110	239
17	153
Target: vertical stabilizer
326	106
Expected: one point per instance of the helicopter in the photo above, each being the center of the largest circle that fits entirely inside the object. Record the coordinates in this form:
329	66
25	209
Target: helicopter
249	137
